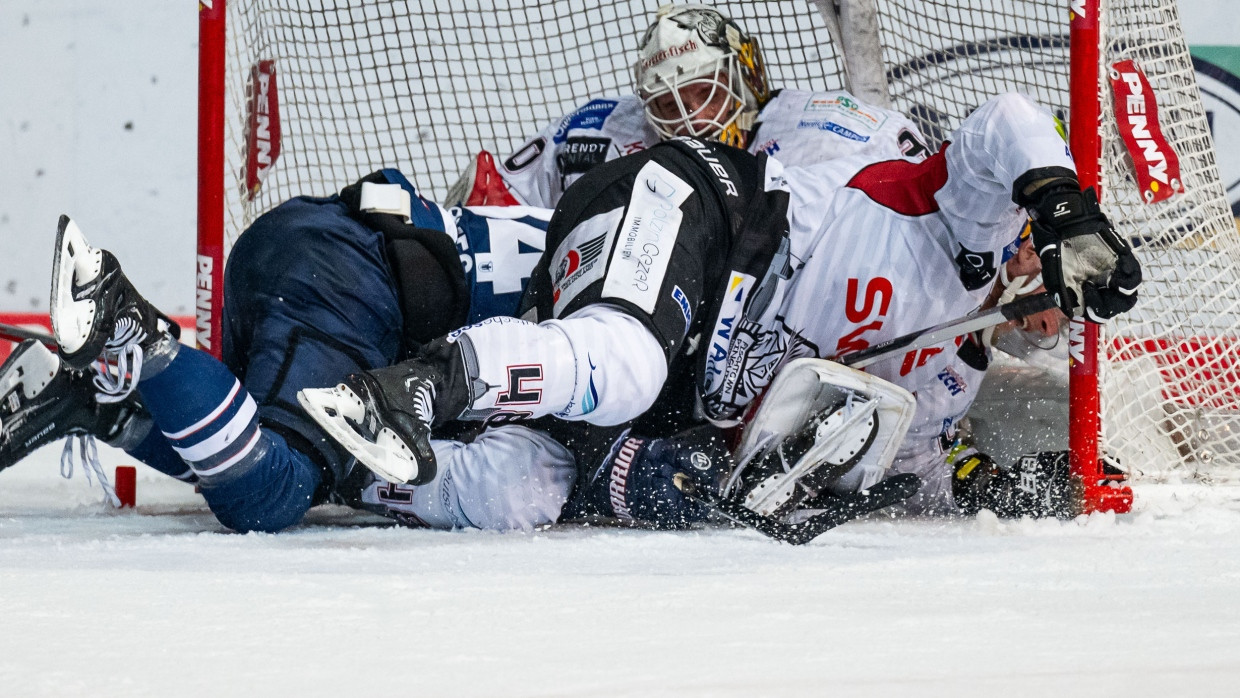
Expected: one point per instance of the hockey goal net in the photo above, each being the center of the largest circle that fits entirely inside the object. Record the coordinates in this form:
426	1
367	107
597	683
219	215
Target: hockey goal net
306	96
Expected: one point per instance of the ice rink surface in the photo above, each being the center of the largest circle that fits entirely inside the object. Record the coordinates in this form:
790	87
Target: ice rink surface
161	601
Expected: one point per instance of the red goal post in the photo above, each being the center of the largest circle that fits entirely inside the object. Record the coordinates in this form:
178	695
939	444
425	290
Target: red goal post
306	96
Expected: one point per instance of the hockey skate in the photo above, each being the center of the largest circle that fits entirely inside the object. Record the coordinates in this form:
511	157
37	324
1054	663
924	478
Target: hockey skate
97	314
42	401
383	418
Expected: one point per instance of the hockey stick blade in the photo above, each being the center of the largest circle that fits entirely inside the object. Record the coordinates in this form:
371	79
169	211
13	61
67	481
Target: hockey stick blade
19	333
834	511
951	329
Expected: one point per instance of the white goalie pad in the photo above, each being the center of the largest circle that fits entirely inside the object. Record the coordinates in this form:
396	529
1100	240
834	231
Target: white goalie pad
859	414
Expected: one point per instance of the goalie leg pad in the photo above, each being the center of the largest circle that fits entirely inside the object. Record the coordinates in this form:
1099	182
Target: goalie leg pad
818	422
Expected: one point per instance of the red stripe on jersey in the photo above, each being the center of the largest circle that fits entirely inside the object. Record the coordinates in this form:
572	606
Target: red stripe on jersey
904	187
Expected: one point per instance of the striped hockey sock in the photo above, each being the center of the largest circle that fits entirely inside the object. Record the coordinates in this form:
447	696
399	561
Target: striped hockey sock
208	417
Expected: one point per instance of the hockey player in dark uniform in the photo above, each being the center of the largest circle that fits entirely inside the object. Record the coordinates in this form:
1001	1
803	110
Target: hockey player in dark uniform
315	289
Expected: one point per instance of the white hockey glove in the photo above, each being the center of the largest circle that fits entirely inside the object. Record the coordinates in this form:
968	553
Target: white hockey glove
1083	259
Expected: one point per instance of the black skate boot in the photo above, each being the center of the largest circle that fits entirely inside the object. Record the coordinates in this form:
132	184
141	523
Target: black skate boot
97	314
383	418
42	401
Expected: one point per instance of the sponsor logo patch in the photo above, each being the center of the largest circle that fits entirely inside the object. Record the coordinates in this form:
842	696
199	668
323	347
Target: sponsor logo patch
739	286
683	301
579	260
579	155
952	381
670	52
647	237
590	116
834	128
847	107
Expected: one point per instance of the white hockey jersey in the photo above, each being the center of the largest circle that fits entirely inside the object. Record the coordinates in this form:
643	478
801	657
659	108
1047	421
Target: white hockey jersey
798	127
881	249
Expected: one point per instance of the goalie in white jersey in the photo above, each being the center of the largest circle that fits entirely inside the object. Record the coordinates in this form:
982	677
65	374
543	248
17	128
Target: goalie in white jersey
697	74
636	303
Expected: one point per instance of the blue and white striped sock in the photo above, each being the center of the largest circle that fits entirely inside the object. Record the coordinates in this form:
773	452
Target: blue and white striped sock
207	416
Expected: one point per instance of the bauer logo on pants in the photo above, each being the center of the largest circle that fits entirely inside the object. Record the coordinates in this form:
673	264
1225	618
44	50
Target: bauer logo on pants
647	237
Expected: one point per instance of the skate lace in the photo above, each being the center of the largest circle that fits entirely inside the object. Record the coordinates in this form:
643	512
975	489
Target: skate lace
119	369
89	454
424	403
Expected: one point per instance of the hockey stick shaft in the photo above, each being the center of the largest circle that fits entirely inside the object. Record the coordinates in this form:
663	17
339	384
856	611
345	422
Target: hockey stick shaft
951	329
21	333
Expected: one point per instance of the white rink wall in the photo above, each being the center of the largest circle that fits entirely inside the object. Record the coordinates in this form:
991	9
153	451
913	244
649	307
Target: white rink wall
98	120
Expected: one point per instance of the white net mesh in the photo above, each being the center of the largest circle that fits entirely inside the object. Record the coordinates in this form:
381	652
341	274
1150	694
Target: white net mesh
423	86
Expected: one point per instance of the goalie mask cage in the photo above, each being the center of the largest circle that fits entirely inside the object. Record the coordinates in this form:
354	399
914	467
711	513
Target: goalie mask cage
306	96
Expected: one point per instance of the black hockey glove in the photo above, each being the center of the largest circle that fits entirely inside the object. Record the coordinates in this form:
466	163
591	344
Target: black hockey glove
637	480
1038	485
1083	259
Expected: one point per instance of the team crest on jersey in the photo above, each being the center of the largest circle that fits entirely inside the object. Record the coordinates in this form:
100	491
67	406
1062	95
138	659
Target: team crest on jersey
753	357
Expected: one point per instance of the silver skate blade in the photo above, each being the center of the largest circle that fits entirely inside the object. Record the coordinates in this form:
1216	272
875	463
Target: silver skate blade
337	410
74	259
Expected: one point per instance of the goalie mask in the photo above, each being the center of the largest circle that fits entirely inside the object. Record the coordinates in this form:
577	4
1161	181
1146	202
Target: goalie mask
700	75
